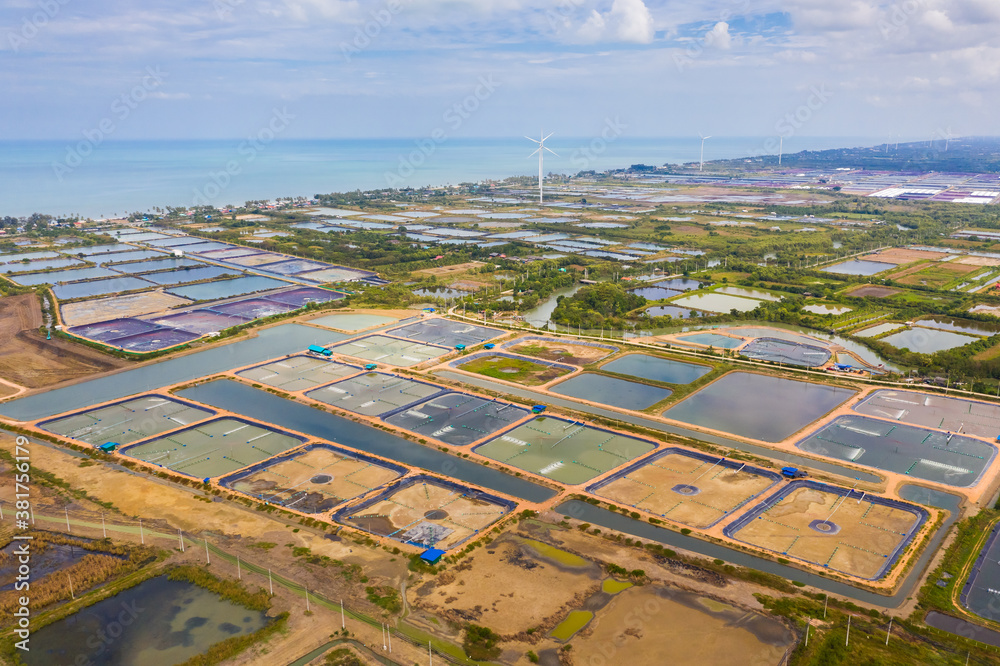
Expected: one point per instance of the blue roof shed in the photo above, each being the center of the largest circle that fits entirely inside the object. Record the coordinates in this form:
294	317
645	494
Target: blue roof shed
431	555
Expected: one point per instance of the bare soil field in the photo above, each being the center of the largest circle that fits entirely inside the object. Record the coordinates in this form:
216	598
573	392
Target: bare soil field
978	261
101	309
28	359
846	535
450	270
511	589
646	626
561	352
901	255
659	488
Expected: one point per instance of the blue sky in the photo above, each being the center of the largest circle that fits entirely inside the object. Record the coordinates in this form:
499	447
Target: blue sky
402	68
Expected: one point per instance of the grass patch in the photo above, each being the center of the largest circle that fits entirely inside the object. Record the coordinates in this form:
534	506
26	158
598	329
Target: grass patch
573	623
518	370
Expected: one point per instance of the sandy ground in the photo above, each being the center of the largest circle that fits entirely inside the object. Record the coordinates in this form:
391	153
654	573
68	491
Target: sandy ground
440	271
27	359
561	352
643	628
978	261
508	587
101	309
721	490
901	255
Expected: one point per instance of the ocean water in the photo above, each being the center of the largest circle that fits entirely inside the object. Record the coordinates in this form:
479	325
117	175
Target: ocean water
66	177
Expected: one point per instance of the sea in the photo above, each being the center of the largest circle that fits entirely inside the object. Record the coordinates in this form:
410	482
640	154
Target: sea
97	179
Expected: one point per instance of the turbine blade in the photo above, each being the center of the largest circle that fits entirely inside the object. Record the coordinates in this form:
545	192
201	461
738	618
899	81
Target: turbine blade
547	138
530	139
552	151
534	153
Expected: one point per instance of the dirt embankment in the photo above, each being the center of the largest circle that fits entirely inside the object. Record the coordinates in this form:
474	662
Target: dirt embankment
27	359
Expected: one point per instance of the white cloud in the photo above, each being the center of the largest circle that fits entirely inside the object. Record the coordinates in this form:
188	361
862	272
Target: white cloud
626	21
937	19
719	36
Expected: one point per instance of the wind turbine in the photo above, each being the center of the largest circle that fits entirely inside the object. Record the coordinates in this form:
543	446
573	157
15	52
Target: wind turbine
781	148
541	154
703	139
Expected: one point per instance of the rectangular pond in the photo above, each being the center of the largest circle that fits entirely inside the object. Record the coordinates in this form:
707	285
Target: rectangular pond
687	487
374	393
352	322
159	622
927	340
235	397
564	451
134	255
954	460
655	293
979	595
167	263
611	391
445	332
959	325
657	369
760	407
382	349
854	533
298	373
99	287
971	417
39	265
457	419
313	479
858	267
128	421
55	277
713	340
749	293
714	302
189	274
227	288
215	448
875	331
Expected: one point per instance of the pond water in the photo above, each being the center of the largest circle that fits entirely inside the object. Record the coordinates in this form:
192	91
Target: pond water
960	325
714	302
227	288
159	622
671	311
759	407
182	275
713	340
260	405
749	293
927	340
656	293
441	292
98	287
876	331
657	369
541	313
680	284
858	267
822	309
611	391
53	557
31	279
41	265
